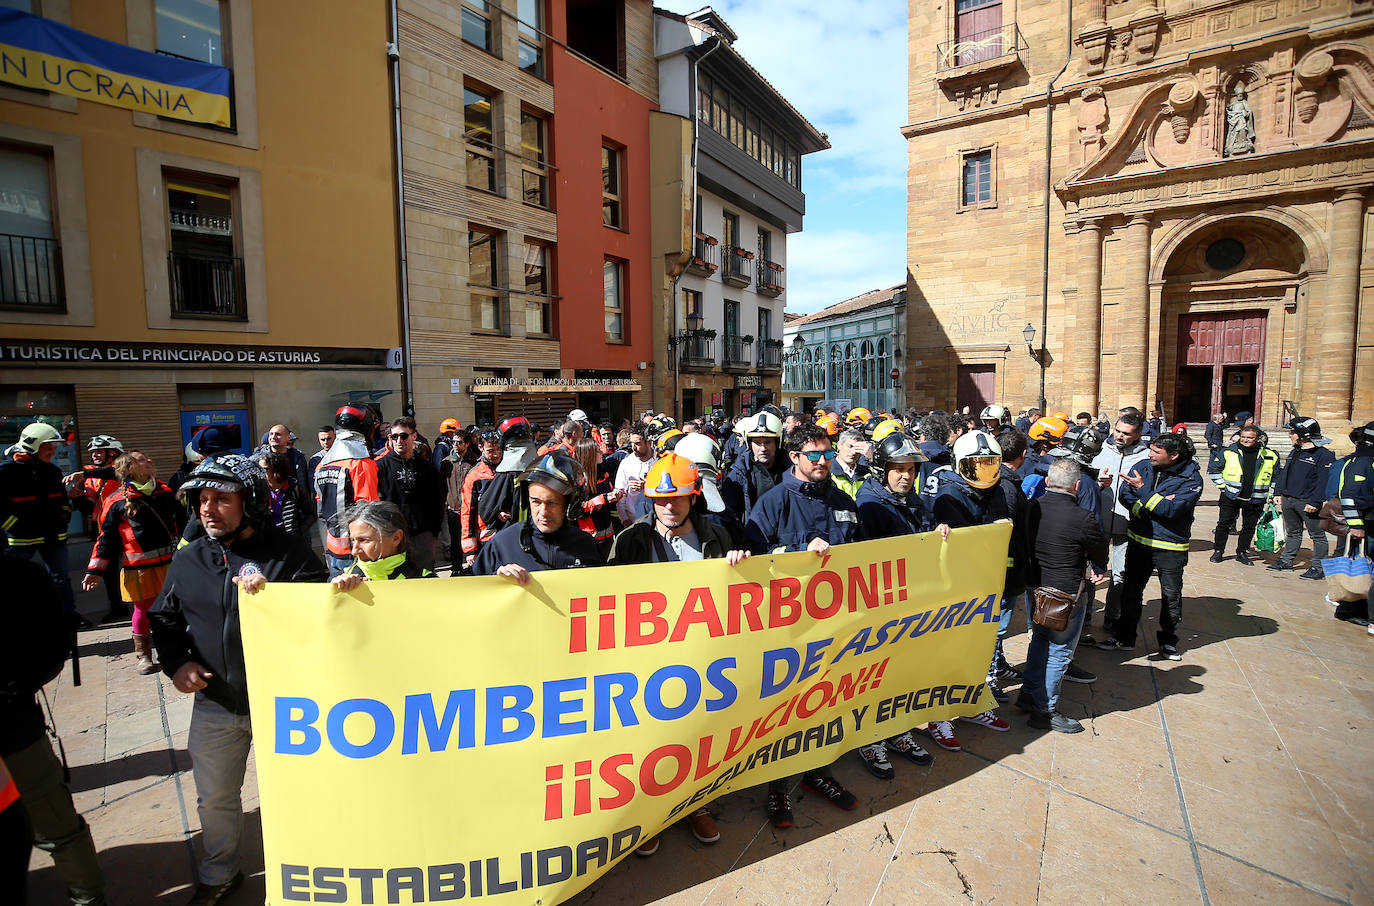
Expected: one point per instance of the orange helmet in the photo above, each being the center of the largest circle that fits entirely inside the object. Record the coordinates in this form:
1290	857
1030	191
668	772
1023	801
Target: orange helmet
450	424
1051	428
857	416
668	439
830	423
672	476
1063	415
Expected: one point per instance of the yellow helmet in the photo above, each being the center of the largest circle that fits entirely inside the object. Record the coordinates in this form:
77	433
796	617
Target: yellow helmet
886	427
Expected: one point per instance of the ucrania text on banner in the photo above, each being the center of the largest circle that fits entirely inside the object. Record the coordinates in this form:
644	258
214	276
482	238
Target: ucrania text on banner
457	739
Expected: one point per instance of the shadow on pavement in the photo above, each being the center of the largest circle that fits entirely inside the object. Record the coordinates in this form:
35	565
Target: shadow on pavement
157	763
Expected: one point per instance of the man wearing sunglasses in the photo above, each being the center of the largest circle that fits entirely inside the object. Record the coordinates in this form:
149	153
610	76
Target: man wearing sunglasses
805	512
412	483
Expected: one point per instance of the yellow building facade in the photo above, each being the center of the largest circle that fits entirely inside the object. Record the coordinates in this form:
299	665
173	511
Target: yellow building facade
159	275
1186	222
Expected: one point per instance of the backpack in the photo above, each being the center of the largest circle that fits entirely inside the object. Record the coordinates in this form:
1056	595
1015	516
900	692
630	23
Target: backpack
34	615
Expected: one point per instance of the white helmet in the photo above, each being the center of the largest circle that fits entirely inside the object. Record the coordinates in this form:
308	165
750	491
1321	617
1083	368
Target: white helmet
764	424
36	435
104	442
978	458
998	414
705	455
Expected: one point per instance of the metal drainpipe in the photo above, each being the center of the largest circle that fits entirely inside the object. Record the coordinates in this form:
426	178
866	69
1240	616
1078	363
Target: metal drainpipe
393	53
1045	251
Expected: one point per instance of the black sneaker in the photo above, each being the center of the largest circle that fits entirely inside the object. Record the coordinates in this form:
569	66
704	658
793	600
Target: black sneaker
1076	674
1217	557
1005	671
997	691
1244	559
780	809
1111	644
1026	703
1315	572
906	746
1279	567
830	788
1055	721
1169	653
874	757
210	894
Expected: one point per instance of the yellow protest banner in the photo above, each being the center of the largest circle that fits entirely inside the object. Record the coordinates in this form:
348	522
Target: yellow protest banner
455	739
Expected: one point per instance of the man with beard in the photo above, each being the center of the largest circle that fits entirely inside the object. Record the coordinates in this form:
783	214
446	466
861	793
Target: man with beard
547	539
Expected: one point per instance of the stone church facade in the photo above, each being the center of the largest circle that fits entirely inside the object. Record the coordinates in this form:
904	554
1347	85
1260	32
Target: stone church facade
1207	221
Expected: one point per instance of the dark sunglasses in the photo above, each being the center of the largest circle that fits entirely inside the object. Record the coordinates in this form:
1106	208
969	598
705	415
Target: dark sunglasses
818	455
401	436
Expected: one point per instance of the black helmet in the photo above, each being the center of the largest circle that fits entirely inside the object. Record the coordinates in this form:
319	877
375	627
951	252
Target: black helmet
1305	427
516	428
356	417
1363	435
558	472
232	473
1081	444
896	447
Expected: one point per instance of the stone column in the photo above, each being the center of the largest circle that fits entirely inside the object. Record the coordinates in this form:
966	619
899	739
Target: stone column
1088	330
1135	340
1334	370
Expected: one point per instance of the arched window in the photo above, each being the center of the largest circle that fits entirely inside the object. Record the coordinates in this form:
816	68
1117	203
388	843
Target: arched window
836	367
851	375
883	367
866	371
818	373
806	379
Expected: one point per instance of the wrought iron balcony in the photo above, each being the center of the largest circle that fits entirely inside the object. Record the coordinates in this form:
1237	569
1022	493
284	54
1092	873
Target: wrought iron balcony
737	351
31	274
770	281
204	286
705	255
737	268
696	352
770	358
979	53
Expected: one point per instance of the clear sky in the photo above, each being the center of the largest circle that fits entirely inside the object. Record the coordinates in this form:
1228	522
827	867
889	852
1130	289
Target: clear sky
843	65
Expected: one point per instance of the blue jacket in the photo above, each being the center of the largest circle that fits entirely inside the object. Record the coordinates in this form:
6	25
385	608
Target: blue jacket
737	487
1355	486
883	515
1155	520
958	504
523	544
789	516
1304	478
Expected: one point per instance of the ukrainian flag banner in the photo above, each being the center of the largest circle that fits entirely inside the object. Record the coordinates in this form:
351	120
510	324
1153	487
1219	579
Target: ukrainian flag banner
39	53
456	739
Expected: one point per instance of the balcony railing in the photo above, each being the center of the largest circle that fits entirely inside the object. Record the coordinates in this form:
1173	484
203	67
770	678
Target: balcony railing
695	351
31	274
737	267
769	281
705	255
770	358
737	352
982	47
204	286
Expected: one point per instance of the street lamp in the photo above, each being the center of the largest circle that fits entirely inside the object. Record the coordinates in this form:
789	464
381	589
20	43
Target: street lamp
1029	335
797	343
694	320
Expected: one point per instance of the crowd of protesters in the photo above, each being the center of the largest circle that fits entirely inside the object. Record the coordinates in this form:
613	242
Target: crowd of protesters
1092	502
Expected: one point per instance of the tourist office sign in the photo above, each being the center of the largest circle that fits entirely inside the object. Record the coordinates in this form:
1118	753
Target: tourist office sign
554	385
76	353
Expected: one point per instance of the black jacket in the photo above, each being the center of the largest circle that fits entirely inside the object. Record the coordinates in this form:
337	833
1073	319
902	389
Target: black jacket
414	486
1067	538
1304	477
34	505
635	544
883	515
1215	436
196	618
526	546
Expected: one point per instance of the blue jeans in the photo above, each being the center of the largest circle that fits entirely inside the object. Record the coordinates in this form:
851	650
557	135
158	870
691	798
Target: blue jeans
1049	655
336	563
53	554
219	742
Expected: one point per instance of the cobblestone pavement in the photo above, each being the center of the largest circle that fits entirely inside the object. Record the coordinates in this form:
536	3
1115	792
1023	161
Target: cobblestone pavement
1240	774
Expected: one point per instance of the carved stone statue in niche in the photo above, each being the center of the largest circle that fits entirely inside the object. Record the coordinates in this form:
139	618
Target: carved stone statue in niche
1240	124
1092	118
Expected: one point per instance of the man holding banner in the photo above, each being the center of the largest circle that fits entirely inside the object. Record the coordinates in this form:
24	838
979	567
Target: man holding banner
675	530
546	540
195	624
805	511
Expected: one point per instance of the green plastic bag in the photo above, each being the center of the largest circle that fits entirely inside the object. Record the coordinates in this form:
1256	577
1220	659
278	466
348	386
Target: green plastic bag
1269	534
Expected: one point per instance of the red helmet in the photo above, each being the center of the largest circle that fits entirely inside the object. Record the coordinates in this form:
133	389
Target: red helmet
517	427
355	417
